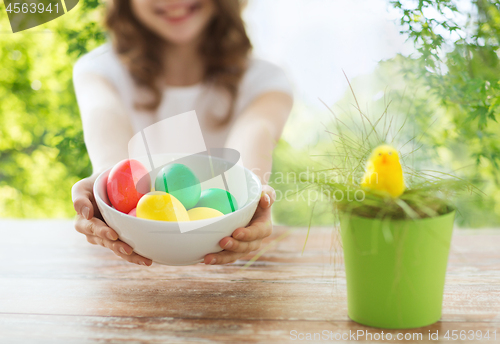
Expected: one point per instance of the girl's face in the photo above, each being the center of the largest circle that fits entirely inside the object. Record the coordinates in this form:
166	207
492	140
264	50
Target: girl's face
176	21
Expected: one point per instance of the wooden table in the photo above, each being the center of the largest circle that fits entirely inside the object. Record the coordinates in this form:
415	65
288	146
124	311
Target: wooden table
57	288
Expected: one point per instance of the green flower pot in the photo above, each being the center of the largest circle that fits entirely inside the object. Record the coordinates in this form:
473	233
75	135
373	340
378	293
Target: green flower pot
395	269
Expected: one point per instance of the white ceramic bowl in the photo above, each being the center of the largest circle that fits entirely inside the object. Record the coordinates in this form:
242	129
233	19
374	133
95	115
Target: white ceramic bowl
163	242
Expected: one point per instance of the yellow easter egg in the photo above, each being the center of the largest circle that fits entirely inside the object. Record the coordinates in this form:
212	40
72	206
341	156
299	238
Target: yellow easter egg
161	206
202	213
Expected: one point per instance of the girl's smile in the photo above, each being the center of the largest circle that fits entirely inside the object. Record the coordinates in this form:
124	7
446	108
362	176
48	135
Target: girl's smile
178	12
178	22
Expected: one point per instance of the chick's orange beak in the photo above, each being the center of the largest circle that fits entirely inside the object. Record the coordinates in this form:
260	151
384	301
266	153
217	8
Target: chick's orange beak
384	159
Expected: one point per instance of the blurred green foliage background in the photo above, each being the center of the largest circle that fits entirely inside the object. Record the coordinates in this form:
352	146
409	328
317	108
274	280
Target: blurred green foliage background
449	92
42	153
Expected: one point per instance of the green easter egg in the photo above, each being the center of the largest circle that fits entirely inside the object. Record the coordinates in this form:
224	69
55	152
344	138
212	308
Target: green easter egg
219	199
179	181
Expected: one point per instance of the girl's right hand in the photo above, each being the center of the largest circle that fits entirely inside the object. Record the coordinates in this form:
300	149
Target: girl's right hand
90	223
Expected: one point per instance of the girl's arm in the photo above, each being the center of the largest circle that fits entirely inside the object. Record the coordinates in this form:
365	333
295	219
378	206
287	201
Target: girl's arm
258	129
106	126
107	131
255	135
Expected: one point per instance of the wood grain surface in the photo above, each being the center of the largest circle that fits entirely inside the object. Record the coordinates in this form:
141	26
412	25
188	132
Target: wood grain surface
57	288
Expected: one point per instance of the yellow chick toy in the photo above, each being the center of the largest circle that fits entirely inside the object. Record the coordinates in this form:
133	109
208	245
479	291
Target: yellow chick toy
384	172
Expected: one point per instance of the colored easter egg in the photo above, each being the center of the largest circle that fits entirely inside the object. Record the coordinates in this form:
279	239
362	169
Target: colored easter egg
161	206
219	199
202	213
133	212
121	184
179	181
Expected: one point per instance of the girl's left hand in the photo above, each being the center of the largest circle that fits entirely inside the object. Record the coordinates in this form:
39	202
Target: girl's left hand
248	239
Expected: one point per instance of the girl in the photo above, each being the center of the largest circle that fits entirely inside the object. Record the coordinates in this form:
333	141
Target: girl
168	57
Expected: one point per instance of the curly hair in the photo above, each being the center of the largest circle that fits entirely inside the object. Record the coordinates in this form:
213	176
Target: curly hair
224	50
